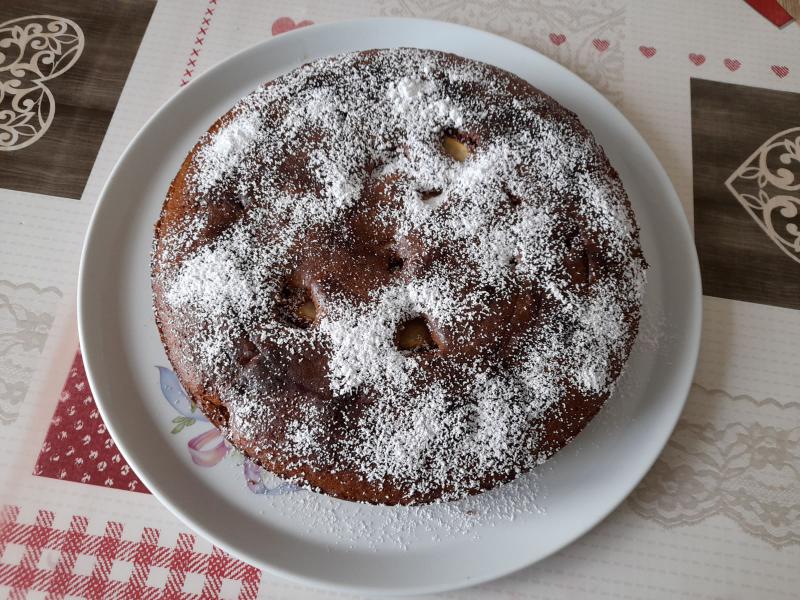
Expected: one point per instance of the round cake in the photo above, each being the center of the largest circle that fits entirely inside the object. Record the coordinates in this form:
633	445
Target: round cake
398	276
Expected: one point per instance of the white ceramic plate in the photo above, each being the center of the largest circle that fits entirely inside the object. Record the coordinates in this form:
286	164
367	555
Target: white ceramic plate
315	539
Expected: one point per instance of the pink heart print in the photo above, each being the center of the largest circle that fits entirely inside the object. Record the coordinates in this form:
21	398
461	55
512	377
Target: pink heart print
697	59
647	51
284	24
558	38
601	45
732	64
780	70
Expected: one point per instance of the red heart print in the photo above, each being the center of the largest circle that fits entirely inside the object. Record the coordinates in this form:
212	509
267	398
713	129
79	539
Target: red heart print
284	24
601	45
558	38
697	59
780	70
732	64
647	51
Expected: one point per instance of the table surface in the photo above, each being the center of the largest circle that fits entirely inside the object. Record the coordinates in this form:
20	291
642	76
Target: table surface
714	87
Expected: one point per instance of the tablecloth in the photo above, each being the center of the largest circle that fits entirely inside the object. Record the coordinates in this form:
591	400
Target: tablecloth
713	86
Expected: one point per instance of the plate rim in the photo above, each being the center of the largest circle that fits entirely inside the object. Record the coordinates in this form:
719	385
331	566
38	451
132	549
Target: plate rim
692	342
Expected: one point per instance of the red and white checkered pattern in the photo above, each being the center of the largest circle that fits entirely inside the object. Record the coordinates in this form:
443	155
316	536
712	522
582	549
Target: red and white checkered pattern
56	563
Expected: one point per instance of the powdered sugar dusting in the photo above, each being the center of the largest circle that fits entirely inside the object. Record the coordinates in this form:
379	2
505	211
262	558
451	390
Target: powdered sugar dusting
364	527
523	261
226	149
211	275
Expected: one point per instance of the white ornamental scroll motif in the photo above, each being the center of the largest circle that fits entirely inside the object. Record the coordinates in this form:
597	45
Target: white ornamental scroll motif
768	186
33	50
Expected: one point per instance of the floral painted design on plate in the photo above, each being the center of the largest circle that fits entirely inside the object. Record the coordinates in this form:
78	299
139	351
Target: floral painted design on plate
209	448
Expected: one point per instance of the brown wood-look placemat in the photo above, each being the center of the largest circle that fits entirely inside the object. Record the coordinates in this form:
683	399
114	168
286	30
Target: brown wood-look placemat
740	254
84	95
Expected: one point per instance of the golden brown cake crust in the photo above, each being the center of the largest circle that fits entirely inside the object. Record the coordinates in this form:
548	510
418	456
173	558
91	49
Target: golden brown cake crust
397	276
